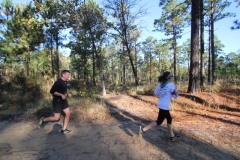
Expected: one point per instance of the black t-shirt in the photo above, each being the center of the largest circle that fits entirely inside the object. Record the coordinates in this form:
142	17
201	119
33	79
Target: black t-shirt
59	86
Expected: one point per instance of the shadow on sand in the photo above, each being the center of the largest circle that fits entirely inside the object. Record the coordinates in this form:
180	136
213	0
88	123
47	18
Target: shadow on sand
55	146
189	147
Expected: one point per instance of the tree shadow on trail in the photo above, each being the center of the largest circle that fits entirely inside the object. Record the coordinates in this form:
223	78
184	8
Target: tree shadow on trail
55	145
201	101
210	117
188	148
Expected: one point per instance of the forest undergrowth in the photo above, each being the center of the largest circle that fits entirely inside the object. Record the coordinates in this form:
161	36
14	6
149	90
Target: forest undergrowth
32	104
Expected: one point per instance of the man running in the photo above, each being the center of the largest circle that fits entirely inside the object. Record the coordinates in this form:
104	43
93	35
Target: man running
59	102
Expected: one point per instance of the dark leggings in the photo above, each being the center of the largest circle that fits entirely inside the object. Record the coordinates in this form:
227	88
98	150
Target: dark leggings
162	114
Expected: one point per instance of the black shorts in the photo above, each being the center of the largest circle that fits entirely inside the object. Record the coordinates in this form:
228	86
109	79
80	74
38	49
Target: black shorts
59	105
162	114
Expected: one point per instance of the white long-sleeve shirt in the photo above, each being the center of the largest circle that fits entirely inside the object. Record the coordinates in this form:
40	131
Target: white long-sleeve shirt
165	91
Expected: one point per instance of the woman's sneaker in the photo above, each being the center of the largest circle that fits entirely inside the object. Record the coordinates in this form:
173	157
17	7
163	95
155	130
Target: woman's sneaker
66	131
175	138
141	132
42	123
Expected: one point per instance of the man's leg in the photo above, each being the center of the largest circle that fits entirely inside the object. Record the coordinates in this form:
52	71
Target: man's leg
55	117
66	118
43	121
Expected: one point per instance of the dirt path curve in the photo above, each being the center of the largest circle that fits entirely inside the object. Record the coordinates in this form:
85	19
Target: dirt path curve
116	139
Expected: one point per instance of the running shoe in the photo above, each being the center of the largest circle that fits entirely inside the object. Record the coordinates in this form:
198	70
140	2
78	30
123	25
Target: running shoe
175	138
141	131
42	123
66	131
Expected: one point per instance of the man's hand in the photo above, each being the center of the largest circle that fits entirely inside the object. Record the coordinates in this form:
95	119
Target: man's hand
64	97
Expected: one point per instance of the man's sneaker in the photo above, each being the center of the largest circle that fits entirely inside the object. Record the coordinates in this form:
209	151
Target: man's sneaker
42	123
141	131
66	131
175	138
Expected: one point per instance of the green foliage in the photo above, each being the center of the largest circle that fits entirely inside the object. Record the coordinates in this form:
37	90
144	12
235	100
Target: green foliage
172	19
124	16
22	36
55	15
89	30
31	36
228	67
82	89
23	33
218	9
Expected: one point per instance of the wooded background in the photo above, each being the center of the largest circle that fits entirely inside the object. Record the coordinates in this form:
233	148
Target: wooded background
105	44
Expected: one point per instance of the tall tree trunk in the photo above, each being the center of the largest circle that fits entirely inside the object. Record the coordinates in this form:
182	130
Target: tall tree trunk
212	44
150	67
132	65
27	63
174	45
123	66
57	52
94	69
51	52
94	54
174	55
124	73
193	85
85	74
136	60
209	55
202	69
94	49
126	43
159	63
102	75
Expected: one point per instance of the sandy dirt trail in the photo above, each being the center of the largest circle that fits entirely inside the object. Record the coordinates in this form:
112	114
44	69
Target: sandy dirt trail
115	139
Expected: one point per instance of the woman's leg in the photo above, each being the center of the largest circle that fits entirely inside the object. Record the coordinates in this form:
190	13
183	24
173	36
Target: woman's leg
169	124
150	126
159	121
170	130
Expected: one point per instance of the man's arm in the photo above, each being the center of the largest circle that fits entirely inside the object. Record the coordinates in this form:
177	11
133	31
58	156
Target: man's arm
60	94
